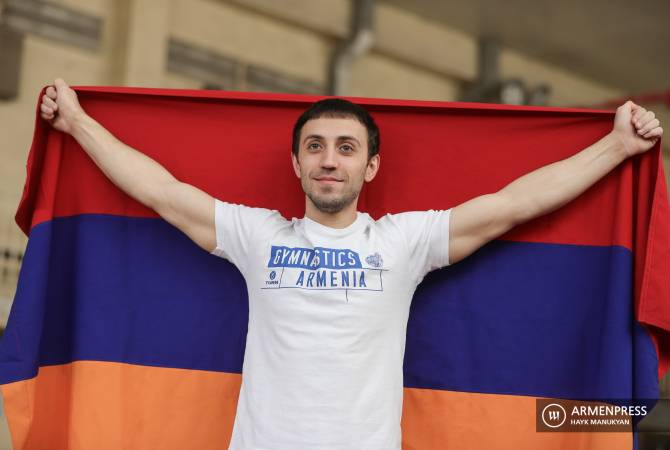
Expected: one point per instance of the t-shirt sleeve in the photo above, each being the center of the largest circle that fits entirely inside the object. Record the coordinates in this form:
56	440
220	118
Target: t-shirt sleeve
239	228
427	236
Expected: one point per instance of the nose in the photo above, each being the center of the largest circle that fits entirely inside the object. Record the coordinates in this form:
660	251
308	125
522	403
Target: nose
329	158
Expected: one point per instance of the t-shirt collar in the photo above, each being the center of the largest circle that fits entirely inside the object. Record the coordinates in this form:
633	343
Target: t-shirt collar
312	226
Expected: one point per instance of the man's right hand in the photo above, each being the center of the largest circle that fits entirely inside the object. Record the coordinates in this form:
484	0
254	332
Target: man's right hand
186	207
60	106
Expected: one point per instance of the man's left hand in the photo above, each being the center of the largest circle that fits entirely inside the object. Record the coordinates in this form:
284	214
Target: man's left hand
636	128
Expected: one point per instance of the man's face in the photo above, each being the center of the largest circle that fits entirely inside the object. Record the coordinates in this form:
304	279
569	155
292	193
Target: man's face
332	162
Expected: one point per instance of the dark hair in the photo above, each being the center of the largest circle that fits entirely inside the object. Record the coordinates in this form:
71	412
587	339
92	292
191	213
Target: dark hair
338	108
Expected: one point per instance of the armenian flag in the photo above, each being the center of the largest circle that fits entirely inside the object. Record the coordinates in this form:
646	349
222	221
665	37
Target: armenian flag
124	334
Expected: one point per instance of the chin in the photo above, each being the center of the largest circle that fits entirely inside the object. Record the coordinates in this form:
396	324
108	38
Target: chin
331	203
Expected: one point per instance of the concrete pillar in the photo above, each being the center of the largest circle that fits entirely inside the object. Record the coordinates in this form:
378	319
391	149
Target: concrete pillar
147	41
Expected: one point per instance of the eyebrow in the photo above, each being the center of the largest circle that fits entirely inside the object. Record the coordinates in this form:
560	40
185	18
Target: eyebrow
339	138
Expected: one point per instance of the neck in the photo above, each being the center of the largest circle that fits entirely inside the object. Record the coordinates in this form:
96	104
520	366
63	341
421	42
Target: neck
340	219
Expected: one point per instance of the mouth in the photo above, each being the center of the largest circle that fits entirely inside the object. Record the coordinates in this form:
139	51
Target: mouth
328	180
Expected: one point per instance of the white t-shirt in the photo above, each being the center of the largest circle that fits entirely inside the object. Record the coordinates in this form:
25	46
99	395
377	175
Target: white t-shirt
328	310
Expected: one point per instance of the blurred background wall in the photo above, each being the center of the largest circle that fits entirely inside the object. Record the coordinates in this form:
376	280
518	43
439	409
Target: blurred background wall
569	53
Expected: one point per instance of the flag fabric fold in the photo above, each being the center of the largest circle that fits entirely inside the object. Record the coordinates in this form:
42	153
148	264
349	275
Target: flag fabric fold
124	334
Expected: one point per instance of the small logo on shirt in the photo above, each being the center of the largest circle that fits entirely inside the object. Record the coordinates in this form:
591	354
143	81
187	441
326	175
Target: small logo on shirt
375	260
272	279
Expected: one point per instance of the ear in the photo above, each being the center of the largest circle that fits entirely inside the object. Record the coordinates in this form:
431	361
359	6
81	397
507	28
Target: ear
296	165
372	168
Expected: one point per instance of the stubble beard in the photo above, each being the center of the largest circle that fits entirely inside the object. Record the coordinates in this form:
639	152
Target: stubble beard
330	204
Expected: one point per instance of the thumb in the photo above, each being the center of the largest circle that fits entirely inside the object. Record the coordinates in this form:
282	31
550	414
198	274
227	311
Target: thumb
629	106
626	112
59	83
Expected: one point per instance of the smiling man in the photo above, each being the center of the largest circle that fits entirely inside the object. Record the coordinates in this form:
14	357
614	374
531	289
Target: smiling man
329	293
335	149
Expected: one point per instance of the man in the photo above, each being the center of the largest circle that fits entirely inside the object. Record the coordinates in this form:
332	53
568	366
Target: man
329	294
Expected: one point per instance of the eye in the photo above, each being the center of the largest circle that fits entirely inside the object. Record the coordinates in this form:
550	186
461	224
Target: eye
313	145
348	148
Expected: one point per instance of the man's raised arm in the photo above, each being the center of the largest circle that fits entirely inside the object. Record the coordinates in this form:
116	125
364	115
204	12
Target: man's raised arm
484	218
184	206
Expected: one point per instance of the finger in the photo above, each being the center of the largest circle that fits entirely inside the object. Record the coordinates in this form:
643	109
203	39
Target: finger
646	118
649	126
45	109
51	92
643	118
656	132
50	103
47	116
635	117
